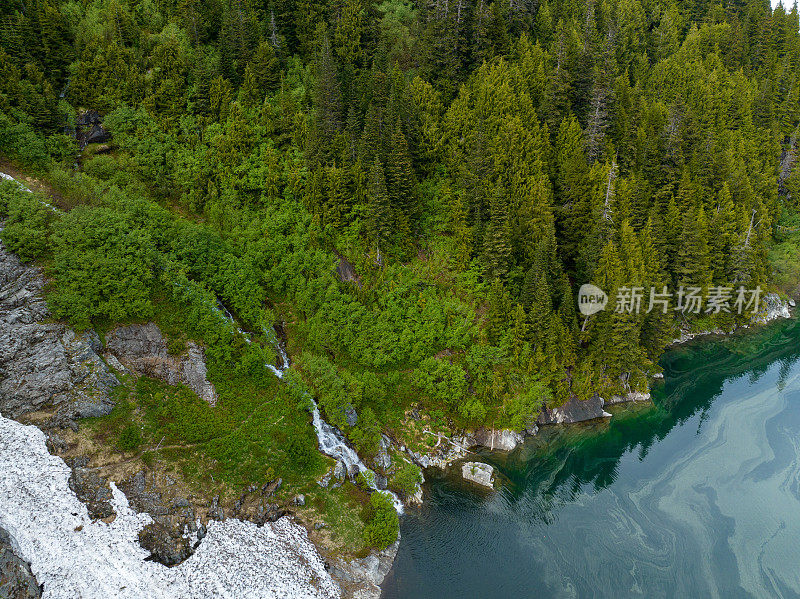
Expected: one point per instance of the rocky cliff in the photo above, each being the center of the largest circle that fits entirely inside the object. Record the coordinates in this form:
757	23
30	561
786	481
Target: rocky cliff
16	579
75	532
45	363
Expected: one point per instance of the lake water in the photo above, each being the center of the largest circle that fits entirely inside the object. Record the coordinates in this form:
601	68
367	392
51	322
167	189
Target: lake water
697	495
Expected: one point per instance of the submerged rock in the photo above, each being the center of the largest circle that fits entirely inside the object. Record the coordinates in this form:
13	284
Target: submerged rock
142	349
633	396
478	473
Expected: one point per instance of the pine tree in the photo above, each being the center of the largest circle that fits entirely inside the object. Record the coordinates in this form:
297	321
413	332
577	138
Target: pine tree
497	244
499	312
380	211
328	97
573	198
400	179
693	263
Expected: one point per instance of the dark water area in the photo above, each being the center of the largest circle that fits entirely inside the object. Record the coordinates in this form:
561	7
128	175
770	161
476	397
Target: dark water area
697	495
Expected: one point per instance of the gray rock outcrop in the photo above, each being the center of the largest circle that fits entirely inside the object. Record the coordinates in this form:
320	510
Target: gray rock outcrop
382	459
574	410
632	397
16	579
165	545
362	578
502	440
478	473
771	307
93	490
45	363
142	349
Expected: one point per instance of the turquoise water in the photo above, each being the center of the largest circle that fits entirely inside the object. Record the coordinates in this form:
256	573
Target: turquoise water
697	495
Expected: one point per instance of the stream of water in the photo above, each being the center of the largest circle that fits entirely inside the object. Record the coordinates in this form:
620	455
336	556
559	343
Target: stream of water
332	441
697	495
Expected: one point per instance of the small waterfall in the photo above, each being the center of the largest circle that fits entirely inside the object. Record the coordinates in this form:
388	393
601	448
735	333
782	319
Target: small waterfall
332	441
24	188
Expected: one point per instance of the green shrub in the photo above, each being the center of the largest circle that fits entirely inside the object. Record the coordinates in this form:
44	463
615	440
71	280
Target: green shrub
27	225
383	525
300	451
102	266
20	141
130	438
101	166
406	479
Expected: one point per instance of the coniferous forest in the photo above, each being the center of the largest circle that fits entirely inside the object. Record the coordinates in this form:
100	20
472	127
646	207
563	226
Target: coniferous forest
412	192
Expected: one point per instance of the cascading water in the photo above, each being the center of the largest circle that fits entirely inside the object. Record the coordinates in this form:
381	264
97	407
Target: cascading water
331	440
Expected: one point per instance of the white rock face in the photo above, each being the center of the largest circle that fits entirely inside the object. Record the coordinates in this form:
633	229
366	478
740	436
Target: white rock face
772	307
501	440
478	473
76	557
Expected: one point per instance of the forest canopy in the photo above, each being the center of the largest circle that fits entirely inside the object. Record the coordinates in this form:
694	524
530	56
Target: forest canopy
473	163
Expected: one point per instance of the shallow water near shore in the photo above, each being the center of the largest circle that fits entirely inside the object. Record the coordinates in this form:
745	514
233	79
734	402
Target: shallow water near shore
697	495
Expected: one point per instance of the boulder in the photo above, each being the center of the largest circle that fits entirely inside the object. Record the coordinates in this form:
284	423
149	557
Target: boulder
351	415
382	460
346	272
142	349
502	440
165	545
362	578
340	470
478	473
93	490
90	117
770	308
97	134
574	410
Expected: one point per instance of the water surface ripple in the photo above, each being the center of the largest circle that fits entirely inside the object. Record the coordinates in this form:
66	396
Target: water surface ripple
696	496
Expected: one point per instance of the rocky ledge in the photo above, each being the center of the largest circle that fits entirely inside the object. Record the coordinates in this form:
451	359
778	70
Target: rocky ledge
362	578
772	307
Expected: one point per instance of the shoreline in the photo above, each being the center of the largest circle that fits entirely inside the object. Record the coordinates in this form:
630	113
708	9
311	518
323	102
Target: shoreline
363	576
